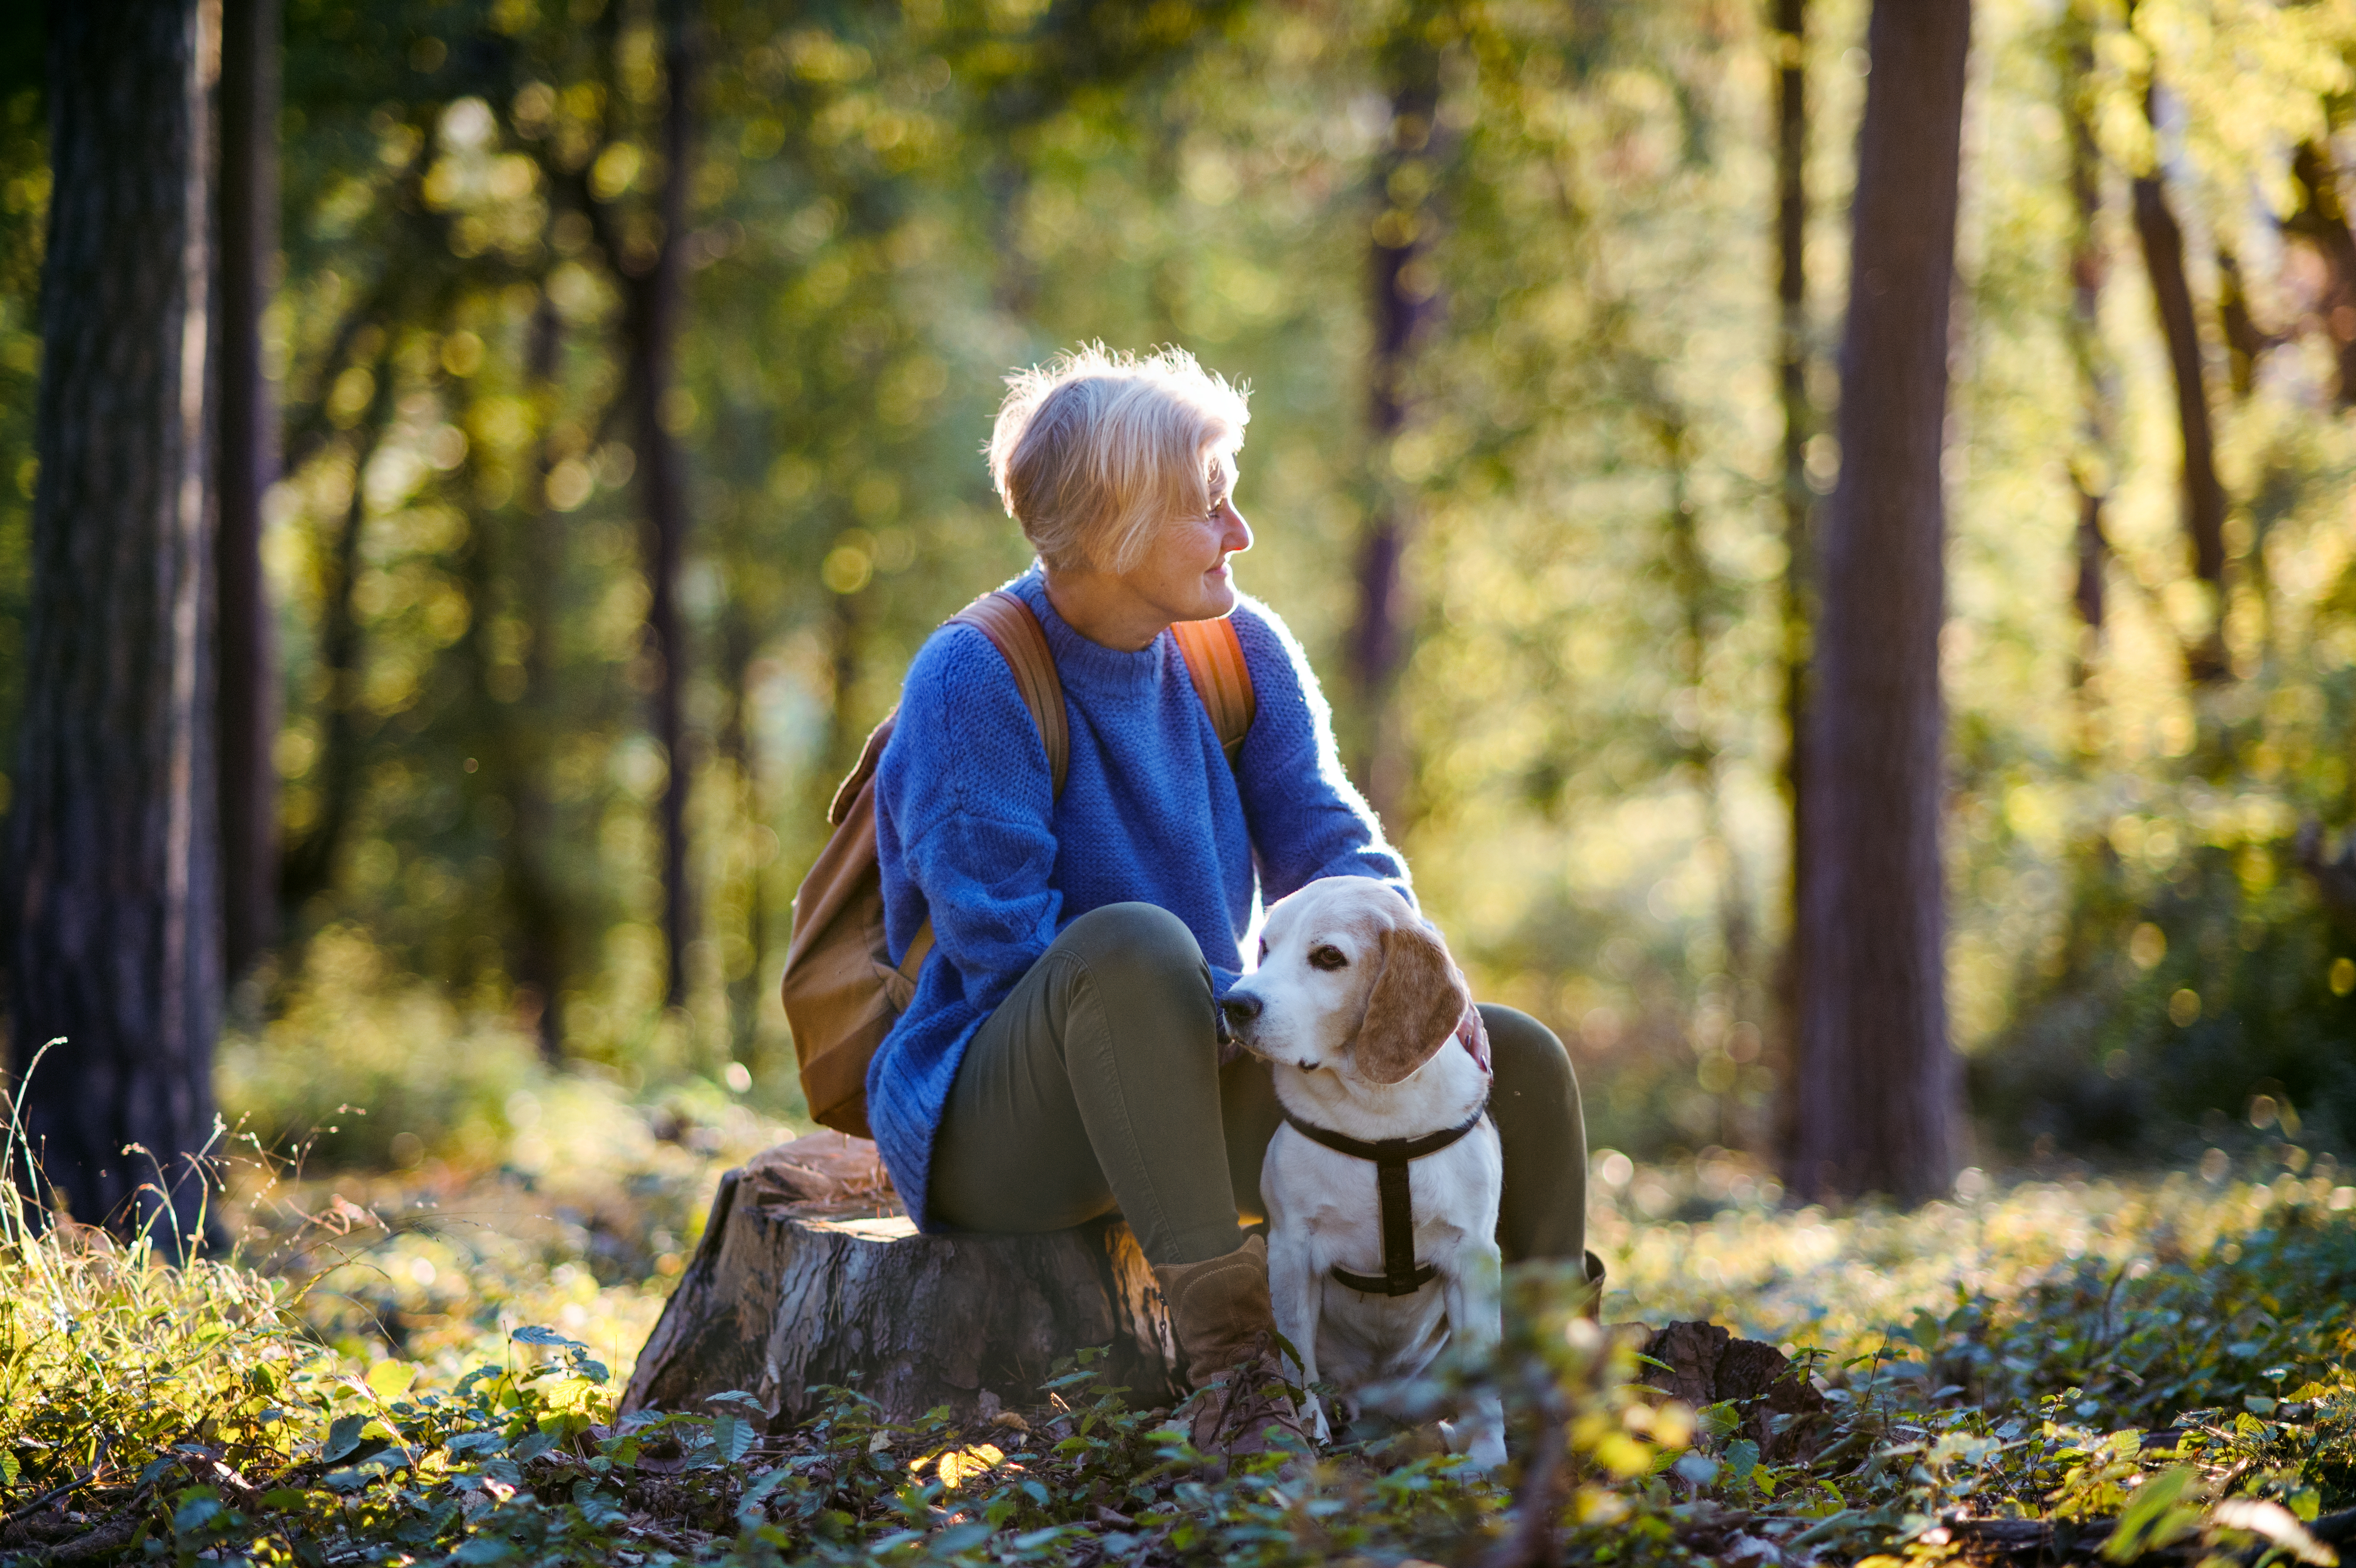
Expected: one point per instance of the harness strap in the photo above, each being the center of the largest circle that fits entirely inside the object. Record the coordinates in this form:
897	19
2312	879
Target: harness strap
1401	1276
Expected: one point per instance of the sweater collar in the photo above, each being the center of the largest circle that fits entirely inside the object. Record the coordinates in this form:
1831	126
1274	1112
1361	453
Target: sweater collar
1086	665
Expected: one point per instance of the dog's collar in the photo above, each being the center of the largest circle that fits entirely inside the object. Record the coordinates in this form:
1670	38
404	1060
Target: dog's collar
1401	1276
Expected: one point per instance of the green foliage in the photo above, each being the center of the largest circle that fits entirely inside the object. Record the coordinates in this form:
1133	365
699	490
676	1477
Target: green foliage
888	207
179	1412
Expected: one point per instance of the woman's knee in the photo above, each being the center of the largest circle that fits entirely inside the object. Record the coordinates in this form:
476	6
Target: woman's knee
1138	950
1139	935
1530	1059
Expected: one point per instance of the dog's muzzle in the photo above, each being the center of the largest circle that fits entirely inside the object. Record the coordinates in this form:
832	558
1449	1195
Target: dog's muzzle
1235	1016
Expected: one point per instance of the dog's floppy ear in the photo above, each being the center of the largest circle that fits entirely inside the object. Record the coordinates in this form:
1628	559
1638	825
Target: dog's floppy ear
1416	1000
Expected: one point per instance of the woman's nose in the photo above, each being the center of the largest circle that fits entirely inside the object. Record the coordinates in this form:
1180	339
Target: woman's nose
1239	535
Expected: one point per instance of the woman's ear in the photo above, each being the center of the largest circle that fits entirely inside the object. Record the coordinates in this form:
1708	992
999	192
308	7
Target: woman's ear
1413	1011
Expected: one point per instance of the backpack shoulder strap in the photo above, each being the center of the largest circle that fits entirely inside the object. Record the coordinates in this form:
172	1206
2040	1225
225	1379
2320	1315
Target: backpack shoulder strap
1215	658
1009	623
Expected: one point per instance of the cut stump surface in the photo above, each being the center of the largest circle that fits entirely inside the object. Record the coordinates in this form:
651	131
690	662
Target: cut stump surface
809	1274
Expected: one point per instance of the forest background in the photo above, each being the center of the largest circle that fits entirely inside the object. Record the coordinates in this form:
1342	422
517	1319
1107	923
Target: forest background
629	446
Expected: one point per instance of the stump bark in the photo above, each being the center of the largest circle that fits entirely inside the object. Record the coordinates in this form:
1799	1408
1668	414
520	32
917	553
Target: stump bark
809	1274
1704	1364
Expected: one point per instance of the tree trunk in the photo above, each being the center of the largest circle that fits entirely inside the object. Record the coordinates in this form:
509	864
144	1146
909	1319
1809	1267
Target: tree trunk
308	867
655	297
247	461
2321	220
1878	1082
1791	35
113	899
1403	304
535	904
1165	284
846	656
805	1278
744	988
1689	571
2092	466
2162	239
2245	341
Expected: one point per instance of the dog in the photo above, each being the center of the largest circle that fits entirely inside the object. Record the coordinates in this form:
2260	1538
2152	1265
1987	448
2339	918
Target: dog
1382	1186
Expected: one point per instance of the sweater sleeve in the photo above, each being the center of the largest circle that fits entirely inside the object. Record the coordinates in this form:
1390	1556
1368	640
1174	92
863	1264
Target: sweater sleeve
1307	819
965	819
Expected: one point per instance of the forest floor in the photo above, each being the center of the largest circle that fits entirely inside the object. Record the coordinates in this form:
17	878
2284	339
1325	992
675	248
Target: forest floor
420	1367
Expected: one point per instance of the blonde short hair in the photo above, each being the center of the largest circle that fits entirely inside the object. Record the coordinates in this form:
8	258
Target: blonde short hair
1095	451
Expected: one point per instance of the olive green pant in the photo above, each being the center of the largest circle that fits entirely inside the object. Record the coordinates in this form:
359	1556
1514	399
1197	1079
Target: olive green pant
1097	1087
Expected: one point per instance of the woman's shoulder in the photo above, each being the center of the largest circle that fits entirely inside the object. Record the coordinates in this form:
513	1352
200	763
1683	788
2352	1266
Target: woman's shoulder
957	677
1270	650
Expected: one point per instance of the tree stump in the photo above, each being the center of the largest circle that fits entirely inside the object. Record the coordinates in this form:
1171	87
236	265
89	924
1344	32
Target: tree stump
1708	1365
809	1274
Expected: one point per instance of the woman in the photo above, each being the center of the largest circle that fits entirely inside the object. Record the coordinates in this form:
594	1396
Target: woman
1058	1059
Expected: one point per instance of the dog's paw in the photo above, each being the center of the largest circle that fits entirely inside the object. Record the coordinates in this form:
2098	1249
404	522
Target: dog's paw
1479	1437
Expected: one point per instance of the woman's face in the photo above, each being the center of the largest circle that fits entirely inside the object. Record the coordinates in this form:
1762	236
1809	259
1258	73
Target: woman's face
1185	574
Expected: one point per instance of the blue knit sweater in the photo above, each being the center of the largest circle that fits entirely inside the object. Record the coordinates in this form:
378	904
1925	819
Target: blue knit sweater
970	833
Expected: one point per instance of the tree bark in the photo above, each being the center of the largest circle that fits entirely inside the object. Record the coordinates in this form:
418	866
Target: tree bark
2245	341
1877	1105
1703	1364
798	1284
1689	569
308	866
113	899
2162	240
1791	35
2321	220
846	656
1403	304
248	460
535	904
2091	466
744	990
655	296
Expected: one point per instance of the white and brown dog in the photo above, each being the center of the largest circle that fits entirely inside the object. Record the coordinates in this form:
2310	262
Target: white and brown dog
1382	1186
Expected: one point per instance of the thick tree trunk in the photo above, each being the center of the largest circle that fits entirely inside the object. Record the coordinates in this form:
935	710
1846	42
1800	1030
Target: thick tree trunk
1791	42
655	304
1878	1082
1403	304
247	461
115	892
2321	220
805	1278
2162	240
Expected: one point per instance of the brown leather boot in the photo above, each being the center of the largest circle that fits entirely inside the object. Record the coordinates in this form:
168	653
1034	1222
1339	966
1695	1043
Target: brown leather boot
1226	1347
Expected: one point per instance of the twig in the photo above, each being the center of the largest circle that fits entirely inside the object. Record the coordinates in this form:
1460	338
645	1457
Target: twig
46	1498
1531	1543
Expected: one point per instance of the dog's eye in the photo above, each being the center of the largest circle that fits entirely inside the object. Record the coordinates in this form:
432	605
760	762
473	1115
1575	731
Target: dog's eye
1327	956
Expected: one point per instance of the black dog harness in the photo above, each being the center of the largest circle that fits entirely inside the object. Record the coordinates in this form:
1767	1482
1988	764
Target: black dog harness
1401	1274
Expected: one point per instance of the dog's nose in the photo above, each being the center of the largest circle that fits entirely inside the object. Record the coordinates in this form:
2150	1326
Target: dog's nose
1236	1012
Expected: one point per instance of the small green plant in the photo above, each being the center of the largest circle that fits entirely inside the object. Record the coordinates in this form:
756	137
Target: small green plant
2111	1373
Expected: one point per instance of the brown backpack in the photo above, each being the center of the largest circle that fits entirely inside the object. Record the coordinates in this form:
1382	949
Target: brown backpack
843	992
